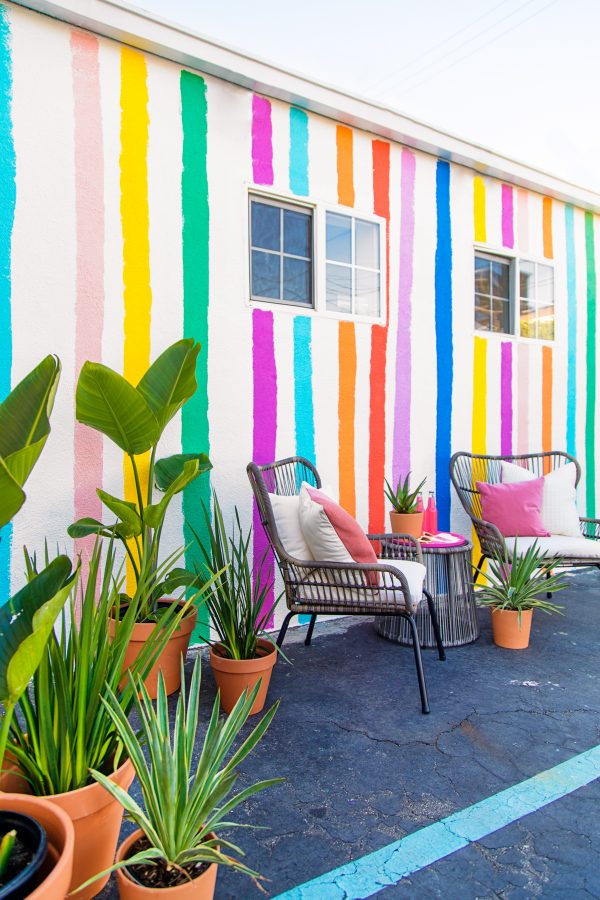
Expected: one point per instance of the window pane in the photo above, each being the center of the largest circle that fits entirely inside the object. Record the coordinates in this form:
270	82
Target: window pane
296	233
482	276
545	323
500	280
339	238
545	285
527	319
296	280
501	316
366	244
265	275
527	279
265	226
367	293
482	313
339	288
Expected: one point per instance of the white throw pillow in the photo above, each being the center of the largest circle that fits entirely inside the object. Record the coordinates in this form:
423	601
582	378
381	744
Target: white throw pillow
322	537
559	506
287	519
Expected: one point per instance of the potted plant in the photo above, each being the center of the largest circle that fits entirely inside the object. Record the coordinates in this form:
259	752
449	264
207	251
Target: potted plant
177	847
36	848
515	583
404	517
243	653
134	418
64	728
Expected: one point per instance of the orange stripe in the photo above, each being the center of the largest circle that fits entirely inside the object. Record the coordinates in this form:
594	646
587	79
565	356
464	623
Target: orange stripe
381	207
345	165
546	401
547	228
346	410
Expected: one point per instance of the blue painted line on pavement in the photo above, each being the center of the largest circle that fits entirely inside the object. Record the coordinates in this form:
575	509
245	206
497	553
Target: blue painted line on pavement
370	874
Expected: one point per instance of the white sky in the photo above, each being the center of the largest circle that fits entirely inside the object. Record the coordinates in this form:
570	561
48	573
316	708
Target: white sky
518	76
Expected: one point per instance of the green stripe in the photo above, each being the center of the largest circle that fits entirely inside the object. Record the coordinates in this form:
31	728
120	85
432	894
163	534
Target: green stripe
194	203
590	407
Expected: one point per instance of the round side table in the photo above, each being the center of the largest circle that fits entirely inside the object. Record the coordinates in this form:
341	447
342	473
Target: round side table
449	581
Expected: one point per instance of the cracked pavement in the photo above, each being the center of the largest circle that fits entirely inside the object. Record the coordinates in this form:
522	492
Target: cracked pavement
363	767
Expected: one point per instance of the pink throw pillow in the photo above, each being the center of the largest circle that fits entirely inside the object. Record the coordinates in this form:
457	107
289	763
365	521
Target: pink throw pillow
515	509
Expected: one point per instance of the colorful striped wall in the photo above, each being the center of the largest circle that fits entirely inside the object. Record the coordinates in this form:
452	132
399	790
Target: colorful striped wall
123	225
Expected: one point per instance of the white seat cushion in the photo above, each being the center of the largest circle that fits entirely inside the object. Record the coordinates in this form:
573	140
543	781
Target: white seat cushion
414	572
559	504
563	545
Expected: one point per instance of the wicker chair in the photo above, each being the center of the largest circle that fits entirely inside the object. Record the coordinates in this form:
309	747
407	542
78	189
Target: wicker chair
331	588
468	468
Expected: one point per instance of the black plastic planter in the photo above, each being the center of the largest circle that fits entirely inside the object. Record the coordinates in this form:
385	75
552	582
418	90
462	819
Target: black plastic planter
33	836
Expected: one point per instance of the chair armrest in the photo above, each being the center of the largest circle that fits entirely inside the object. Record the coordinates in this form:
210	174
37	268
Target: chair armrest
396	546
366	577
590	528
489	536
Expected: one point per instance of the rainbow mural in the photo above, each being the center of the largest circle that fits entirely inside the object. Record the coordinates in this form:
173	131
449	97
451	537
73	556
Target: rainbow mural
148	242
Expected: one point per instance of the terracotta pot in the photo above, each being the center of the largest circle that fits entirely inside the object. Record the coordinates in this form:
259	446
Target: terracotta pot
169	661
202	888
506	629
58	868
233	675
407	523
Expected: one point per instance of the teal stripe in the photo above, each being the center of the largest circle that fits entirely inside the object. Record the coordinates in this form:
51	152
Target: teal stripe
572	332
303	393
590	360
194	203
7	214
298	152
367	876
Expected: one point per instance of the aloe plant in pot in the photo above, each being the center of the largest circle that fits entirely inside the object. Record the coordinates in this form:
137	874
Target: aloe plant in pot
405	518
135	418
179	845
515	583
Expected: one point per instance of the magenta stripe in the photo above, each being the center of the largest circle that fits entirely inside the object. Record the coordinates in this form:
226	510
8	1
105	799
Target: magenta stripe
508	235
262	143
401	453
506	412
89	303
265	425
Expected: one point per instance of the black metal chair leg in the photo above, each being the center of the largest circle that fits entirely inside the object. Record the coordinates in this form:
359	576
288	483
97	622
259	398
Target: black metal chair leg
548	593
283	629
478	567
419	664
435	625
309	633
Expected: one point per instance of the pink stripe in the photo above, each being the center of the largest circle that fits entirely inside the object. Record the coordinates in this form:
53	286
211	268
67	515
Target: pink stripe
508	236
265	427
523	442
401	457
89	304
262	145
523	219
506	412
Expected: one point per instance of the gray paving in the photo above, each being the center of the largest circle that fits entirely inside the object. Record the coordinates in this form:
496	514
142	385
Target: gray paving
363	767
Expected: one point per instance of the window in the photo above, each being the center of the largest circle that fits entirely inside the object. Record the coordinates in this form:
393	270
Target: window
281	252
536	294
352	265
514	295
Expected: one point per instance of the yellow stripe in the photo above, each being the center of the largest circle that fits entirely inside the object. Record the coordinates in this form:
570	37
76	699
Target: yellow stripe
479	210
137	294
479	421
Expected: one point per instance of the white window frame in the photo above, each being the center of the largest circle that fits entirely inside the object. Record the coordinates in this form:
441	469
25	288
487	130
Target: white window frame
535	301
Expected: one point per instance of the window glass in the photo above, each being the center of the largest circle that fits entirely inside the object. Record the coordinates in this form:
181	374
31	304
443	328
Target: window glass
482	276
296	233
526	278
281	254
339	238
492	293
339	288
367	244
537	300
482	312
296	280
353	283
367	293
265	275
500	280
265	226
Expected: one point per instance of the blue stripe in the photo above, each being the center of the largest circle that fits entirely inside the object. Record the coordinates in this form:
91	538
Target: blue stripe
298	152
7	213
367	876
443	339
572	332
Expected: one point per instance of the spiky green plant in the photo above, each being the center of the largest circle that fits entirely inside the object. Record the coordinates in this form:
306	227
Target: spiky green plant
185	804
403	499
516	580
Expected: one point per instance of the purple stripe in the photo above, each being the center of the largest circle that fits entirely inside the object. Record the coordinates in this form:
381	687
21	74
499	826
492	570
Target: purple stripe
401	456
508	235
265	428
262	145
506	412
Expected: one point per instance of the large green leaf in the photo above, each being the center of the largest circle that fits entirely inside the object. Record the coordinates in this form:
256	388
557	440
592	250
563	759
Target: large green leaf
24	418
167	470
108	403
125	510
154	514
12	497
86	526
26	622
171	380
